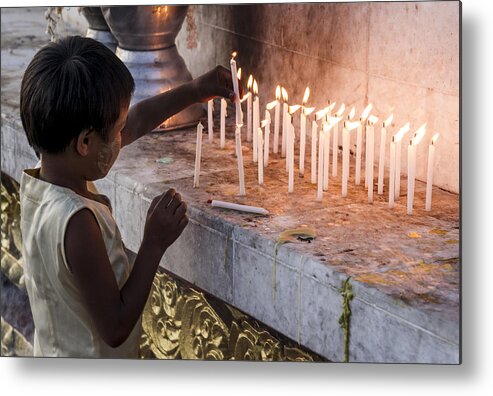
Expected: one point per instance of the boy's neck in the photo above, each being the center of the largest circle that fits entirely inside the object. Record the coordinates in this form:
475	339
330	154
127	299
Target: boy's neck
59	170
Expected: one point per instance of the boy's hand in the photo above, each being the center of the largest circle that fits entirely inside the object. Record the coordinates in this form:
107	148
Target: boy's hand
216	82
166	220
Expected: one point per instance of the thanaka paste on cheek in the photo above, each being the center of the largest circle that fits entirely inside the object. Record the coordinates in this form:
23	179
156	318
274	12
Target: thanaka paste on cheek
108	154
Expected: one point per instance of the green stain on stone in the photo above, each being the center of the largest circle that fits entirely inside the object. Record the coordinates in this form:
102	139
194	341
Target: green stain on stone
346	291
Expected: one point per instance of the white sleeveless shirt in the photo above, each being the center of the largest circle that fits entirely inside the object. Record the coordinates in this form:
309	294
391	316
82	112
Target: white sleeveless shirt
63	326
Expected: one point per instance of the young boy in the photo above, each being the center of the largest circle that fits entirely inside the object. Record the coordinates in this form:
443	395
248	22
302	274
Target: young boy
85	297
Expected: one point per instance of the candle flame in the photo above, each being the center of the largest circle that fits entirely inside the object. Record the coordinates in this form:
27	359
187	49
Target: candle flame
418	135
388	121
245	97
293	109
278	92
233	55
400	134
341	110
255	87
332	121
284	94
351	113
239	74
321	113
331	106
366	112
271	105
308	110
263	123
350	125
250	82
434	138
372	120
306	95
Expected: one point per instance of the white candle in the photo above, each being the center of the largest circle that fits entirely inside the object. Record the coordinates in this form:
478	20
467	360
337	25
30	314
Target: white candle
326	156
266	137
411	170
392	173
398	145
238	207
234	76
335	141
411	166
249	109
345	158
289	124
256	123
304	113
291	158
429	177
371	153
223	123
198	155
321	144
210	119
276	119
285	115
381	159
239	154
260	150
359	139
314	152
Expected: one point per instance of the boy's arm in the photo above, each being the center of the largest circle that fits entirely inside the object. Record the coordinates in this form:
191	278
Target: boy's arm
113	311
146	115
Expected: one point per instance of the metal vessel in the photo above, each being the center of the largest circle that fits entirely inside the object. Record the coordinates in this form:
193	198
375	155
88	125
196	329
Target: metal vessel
98	28
146	44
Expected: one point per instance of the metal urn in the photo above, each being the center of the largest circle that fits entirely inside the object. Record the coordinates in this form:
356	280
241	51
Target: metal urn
98	28
146	44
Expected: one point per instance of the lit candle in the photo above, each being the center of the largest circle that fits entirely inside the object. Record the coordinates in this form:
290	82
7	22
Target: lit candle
276	119
284	120
210	119
346	142
314	152
335	143
256	119
429	177
395	142
223	123
359	138
318	116
249	108
371	153
321	145
332	121
411	166
304	113
198	155
392	173
239	156
234	75
291	157
381	159
260	151
398	146
266	125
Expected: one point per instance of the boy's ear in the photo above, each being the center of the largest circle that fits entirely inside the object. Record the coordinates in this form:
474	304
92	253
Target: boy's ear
83	142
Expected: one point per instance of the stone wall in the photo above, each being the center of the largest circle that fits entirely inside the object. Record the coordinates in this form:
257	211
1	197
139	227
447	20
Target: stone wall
401	56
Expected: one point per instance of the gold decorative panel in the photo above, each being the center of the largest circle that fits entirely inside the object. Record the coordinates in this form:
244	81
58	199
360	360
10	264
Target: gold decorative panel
180	322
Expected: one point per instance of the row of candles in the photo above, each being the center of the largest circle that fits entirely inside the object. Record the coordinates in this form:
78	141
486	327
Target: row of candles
259	131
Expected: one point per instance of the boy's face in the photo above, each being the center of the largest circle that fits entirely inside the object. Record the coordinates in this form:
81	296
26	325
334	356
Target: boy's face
107	152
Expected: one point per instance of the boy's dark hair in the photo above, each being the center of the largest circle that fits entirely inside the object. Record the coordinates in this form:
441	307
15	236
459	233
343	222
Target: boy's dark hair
71	86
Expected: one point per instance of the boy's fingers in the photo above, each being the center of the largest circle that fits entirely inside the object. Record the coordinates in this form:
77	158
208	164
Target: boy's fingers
168	197
181	209
183	222
175	202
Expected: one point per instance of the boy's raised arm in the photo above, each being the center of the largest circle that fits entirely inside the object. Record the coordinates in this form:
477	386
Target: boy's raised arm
146	115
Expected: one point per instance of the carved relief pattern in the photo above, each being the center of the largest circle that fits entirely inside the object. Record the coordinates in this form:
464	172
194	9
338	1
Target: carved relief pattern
180	322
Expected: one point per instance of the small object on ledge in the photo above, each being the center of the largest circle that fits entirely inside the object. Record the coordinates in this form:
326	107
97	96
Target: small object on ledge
241	208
